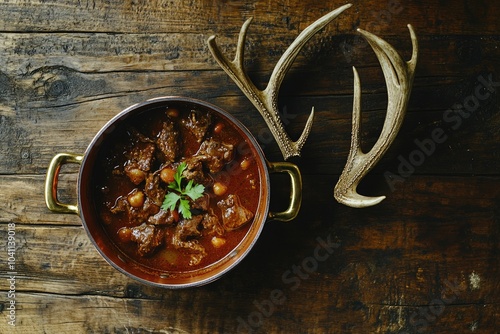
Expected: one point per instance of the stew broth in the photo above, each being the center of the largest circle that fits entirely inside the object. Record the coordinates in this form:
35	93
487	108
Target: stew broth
136	160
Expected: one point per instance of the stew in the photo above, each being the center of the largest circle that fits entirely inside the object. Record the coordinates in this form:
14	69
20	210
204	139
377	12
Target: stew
178	187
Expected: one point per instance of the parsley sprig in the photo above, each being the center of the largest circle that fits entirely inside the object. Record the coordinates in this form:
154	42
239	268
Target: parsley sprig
180	195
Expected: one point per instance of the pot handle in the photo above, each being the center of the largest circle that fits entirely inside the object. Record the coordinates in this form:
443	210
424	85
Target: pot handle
51	182
295	190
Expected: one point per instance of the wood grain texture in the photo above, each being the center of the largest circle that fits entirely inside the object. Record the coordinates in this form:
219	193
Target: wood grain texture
426	260
379	274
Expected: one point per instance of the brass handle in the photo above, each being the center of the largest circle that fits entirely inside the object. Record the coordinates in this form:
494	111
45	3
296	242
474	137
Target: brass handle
295	190
51	182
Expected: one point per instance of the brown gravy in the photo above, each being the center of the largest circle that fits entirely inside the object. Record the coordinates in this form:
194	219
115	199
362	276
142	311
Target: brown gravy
133	141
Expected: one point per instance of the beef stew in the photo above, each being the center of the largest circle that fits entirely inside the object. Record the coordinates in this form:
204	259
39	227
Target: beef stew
170	152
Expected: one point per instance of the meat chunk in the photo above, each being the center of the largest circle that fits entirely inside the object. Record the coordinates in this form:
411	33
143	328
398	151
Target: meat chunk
189	228
211	223
215	154
135	216
168	141
121	205
153	190
197	123
163	218
148	238
139	160
234	214
202	203
197	251
185	237
194	171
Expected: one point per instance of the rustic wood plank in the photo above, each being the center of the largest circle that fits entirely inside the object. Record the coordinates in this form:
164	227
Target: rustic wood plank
47	93
99	314
293	15
23	199
35	136
69	266
391	246
25	55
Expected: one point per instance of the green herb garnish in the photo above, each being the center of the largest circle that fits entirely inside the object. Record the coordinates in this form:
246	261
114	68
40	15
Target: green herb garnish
179	195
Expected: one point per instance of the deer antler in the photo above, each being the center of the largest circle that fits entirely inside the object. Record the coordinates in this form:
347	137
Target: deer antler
399	79
266	101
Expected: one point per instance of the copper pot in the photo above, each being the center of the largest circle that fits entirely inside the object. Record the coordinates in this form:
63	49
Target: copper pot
85	208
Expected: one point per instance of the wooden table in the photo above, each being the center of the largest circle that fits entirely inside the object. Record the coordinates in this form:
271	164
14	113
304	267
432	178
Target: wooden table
425	260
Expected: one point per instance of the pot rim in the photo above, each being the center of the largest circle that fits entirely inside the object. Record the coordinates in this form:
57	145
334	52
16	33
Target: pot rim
230	260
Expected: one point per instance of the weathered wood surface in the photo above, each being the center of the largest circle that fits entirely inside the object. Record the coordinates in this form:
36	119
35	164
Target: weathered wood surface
426	260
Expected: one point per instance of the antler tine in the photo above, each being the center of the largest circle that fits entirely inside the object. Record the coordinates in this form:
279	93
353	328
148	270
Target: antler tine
266	101
399	80
287	59
234	68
